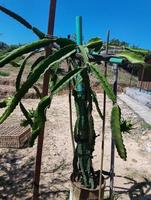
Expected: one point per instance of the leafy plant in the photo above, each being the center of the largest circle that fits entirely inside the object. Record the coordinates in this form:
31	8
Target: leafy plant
79	76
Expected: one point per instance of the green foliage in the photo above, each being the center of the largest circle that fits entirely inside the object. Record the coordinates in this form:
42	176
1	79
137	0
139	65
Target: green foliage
104	83
141	52
131	56
94	97
18	79
39	118
25	49
126	126
37	72
22	21
3	45
117	42
58	86
79	76
26	114
95	44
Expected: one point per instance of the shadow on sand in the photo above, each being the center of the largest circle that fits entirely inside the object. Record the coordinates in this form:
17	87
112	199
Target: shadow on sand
136	191
16	179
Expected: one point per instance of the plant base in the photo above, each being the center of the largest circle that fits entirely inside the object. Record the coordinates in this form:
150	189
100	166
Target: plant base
79	192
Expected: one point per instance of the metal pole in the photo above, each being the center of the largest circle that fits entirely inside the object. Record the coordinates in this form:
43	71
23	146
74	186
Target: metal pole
70	108
112	140
142	77
130	83
44	92
79	30
70	114
103	125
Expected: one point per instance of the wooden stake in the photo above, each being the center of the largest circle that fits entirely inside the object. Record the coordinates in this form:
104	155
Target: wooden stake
103	125
44	93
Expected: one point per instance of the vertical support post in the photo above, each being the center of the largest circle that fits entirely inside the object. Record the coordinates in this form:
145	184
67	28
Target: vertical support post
79	86
130	82
44	92
79	30
142	77
103	125
115	68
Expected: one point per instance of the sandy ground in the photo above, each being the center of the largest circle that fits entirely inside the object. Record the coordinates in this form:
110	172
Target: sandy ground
133	177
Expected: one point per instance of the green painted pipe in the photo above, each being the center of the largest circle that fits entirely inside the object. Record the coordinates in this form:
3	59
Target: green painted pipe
79	30
79	87
116	60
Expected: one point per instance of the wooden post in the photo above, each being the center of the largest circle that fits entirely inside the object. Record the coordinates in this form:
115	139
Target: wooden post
142	77
103	125
131	76
44	93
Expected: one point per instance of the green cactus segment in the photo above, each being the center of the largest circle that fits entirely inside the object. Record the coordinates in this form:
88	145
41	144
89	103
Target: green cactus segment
39	95
131	56
25	49
104	83
22	21
40	34
84	54
116	131
16	16
26	114
39	118
37	72
84	162
141	52
36	62
84	132
95	44
94	97
65	80
19	76
62	42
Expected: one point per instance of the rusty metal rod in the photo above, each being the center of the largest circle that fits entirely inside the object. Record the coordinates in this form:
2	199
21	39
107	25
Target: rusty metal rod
51	21
112	139
70	114
103	125
70	106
